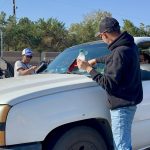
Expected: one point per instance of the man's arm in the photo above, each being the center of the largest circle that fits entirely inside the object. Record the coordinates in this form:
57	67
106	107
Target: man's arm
110	80
19	67
102	59
29	71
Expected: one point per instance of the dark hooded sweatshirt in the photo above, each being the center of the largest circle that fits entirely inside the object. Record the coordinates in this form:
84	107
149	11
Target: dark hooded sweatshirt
122	76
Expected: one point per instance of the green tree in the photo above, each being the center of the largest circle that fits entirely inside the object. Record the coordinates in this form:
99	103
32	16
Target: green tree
143	30
53	34
3	18
85	31
148	30
10	40
135	31
27	34
50	35
129	26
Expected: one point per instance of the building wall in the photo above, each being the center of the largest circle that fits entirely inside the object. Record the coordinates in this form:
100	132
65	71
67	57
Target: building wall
13	56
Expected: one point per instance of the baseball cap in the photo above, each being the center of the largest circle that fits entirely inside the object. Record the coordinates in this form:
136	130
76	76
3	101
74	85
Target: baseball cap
108	24
27	52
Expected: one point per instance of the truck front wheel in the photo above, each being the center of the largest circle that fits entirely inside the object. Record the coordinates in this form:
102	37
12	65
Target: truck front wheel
80	138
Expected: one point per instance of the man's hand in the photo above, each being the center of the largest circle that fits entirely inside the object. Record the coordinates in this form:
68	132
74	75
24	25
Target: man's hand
33	67
92	62
84	65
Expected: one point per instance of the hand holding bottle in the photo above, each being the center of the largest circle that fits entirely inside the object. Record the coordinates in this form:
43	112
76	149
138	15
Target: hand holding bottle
84	65
92	62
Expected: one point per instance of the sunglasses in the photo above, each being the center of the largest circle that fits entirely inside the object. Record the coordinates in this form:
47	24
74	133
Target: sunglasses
101	34
29	57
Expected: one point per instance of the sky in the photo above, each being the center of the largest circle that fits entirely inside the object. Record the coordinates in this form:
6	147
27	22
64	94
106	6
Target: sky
73	11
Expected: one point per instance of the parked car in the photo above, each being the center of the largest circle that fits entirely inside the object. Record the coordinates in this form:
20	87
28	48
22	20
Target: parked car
64	109
6	69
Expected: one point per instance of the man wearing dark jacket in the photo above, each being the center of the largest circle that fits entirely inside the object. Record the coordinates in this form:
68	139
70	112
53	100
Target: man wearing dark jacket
121	79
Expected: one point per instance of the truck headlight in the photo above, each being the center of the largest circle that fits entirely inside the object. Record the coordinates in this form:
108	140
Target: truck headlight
4	109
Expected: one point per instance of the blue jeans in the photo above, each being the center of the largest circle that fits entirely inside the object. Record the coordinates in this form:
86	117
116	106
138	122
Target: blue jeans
121	127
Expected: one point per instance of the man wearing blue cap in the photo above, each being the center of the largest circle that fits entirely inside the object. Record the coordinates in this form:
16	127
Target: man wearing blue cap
23	67
121	79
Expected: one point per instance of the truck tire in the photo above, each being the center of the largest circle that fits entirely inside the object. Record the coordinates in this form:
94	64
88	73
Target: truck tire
80	138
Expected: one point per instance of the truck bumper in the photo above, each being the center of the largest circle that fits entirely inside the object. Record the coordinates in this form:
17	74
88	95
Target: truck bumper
32	146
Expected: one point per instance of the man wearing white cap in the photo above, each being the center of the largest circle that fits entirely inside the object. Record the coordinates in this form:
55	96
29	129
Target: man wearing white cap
23	67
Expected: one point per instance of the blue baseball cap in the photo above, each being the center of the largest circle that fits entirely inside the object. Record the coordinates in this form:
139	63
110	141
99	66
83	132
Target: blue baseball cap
27	52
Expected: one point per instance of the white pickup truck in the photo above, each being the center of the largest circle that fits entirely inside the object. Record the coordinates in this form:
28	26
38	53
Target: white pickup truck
64	109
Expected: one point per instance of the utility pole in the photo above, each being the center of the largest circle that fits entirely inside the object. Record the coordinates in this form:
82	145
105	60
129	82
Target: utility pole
1	52
14	9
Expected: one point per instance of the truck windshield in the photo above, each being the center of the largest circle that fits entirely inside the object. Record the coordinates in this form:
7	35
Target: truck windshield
63	61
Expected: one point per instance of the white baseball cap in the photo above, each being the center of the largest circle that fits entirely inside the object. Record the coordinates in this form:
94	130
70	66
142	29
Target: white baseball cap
27	52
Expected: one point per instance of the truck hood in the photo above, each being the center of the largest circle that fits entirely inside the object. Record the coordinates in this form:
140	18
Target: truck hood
23	88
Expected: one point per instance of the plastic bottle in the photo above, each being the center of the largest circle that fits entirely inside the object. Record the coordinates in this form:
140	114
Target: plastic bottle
81	55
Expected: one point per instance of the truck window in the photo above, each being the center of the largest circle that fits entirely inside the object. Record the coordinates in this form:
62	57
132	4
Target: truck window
144	57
